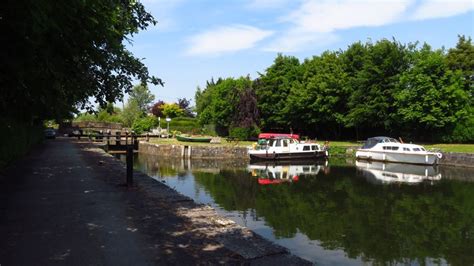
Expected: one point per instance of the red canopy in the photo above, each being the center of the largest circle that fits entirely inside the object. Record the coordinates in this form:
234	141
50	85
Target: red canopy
276	135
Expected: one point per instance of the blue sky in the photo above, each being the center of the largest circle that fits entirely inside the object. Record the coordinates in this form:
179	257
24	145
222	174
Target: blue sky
196	40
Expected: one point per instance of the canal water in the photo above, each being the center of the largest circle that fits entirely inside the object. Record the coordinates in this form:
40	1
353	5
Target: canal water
338	211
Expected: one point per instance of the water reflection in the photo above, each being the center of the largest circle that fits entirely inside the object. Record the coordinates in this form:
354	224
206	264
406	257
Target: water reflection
337	213
271	173
386	173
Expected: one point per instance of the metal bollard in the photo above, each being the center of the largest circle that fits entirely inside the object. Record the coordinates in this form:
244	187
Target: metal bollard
129	165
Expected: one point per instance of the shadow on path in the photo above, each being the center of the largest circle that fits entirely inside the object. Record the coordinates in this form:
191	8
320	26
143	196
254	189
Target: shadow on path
65	203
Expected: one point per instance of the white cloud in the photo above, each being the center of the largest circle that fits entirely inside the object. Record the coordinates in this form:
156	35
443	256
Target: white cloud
260	4
442	9
315	22
294	41
328	16
226	39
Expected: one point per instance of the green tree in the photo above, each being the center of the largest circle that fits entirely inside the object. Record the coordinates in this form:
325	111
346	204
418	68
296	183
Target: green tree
217	104
373	84
142	96
318	104
272	90
143	124
430	97
130	113
56	55
172	110
461	58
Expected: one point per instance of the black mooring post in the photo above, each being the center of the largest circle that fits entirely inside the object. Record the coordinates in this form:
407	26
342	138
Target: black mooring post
129	165
117	138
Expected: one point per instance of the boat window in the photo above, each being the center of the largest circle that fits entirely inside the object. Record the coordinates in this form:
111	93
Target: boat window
416	149
278	143
285	143
277	175
406	149
394	148
306	148
423	149
306	169
389	175
385	147
270	143
370	143
313	147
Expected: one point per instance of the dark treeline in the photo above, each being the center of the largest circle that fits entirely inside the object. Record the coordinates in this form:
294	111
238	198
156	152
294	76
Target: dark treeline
58	54
384	88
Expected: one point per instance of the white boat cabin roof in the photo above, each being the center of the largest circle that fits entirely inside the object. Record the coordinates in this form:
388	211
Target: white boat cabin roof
371	142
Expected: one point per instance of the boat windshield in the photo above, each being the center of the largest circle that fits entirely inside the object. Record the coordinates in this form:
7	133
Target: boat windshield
371	142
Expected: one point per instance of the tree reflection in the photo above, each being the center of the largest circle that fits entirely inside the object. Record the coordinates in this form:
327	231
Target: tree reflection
393	223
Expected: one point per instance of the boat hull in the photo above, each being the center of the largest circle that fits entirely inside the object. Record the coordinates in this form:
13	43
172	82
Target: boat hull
397	157
288	156
191	139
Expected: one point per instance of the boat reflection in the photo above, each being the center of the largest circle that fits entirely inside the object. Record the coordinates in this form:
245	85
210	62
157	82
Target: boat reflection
386	173
270	173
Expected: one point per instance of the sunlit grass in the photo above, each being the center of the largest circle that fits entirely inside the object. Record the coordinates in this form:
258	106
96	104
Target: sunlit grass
224	142
465	148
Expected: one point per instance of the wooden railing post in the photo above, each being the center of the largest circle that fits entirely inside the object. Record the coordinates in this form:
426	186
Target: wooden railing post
129	164
117	138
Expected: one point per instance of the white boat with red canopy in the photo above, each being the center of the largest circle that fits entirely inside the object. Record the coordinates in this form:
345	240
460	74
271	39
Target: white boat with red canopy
285	147
391	150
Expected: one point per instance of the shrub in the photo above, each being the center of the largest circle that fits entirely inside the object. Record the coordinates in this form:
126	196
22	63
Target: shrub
186	125
243	133
463	132
144	124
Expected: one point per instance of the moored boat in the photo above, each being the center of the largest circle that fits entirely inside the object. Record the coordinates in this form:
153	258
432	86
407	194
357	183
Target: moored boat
391	150
286	148
193	139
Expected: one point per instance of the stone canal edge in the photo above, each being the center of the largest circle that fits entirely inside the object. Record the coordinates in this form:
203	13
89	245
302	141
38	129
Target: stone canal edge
240	153
205	222
66	203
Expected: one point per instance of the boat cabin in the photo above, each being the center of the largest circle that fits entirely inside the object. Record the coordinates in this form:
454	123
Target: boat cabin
371	142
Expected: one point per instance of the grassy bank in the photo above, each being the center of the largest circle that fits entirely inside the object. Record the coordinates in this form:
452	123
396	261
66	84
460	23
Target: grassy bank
464	148
173	141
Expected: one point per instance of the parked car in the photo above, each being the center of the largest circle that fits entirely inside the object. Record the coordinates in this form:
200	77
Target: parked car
50	133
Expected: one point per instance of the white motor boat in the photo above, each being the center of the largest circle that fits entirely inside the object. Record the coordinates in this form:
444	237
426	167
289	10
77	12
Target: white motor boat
385	173
285	148
391	150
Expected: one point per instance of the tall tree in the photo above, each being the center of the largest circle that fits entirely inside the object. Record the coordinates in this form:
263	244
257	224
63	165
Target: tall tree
218	102
461	58
272	90
58	54
318	104
142	96
373	83
430	97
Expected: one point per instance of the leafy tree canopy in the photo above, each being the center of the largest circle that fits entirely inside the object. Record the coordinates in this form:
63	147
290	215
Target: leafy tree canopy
57	54
142	96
